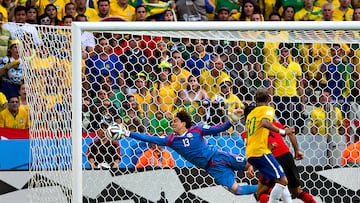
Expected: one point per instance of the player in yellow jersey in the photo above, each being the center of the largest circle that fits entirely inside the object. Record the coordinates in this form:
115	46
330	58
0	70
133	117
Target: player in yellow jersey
258	125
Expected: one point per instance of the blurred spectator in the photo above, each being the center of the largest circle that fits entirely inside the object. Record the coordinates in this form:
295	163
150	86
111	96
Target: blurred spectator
163	94
58	4
102	63
210	79
169	15
12	75
67	20
140	13
199	59
81	9
289	13
320	3
102	109
116	95
132	117
134	59
70	9
326	118
142	94
4	14
194	10
222	14
248	8
86	113
351	154
309	12
87	39
103	153
103	10
336	75
23	96
327	12
275	16
13	116
285	85
223	103
52	12
155	157
22	28
3	102
195	99
232	7
160	54
256	17
5	36
44	19
116	42
356	15
123	9
298	4
157	8
344	12
184	46
179	73
32	15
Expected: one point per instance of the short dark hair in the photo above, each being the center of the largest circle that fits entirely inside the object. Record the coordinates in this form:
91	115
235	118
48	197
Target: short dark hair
99	1
19	8
68	16
13	96
261	95
184	116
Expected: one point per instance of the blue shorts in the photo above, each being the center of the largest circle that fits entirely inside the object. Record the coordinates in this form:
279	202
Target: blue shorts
268	166
222	167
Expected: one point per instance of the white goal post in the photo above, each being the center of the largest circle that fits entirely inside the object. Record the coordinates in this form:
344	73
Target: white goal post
218	30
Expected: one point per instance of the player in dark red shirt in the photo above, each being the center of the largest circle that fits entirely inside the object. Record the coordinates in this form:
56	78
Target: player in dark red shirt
282	153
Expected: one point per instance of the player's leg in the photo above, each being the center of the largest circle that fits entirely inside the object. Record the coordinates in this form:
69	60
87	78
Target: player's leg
262	193
271	170
292	174
222	169
238	189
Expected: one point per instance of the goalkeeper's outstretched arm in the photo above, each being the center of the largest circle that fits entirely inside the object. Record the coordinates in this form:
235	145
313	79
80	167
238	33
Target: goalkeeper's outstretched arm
160	140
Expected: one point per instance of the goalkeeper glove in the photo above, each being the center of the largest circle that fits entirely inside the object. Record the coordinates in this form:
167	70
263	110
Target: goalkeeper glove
234	117
125	132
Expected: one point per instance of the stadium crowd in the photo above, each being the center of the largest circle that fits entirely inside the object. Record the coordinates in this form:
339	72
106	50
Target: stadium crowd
141	80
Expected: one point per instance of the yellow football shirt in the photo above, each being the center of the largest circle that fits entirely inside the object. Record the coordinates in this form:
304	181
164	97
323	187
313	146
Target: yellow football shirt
128	13
180	80
257	136
211	84
318	118
285	83
20	121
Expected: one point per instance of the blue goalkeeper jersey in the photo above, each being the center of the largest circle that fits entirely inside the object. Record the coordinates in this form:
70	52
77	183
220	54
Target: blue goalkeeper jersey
191	145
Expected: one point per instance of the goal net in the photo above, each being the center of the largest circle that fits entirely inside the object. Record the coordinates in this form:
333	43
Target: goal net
140	73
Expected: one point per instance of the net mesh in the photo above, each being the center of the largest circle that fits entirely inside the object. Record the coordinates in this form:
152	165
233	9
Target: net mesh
138	78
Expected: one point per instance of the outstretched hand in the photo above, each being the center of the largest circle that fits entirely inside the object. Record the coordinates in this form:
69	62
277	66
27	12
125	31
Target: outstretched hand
235	116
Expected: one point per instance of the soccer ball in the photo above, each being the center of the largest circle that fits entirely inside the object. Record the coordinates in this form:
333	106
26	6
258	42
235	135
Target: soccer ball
115	131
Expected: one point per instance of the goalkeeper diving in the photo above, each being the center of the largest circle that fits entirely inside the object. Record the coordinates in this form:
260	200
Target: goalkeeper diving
188	141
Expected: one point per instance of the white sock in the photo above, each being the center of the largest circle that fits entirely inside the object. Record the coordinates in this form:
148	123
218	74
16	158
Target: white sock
276	193
286	196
